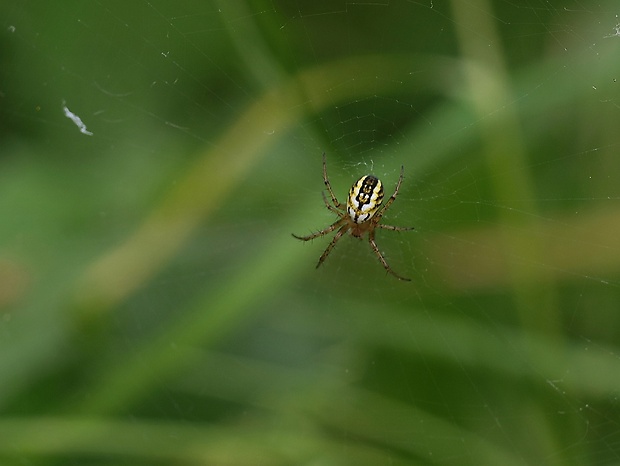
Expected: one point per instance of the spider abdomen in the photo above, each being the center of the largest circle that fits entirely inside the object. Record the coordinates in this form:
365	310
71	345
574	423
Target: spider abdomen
365	198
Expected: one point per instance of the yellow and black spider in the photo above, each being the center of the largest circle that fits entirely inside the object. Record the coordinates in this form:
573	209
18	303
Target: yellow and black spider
361	214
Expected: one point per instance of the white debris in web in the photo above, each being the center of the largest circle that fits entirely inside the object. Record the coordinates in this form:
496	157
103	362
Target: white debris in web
616	32
76	119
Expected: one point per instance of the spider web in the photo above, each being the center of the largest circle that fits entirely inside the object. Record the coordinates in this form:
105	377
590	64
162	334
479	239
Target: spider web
158	156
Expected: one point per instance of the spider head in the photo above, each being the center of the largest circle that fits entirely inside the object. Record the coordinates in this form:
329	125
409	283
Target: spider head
365	198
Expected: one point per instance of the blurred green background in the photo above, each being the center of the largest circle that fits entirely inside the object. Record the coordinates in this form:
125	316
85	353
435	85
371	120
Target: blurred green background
156	156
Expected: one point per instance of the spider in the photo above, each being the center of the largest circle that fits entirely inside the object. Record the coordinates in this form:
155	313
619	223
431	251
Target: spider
362	213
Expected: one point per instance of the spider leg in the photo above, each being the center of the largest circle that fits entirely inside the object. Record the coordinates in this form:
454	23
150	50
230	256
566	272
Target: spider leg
333	242
386	266
379	214
329	206
328	185
393	228
323	232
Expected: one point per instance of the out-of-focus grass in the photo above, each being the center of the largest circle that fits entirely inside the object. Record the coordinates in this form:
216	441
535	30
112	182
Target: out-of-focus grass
156	309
